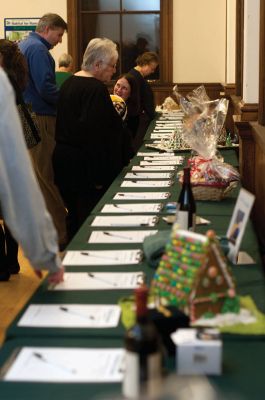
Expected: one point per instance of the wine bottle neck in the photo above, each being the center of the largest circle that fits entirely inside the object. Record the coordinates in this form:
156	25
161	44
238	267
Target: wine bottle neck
141	295
186	176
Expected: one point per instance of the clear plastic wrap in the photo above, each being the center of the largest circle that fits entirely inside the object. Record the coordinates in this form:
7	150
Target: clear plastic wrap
203	121
202	125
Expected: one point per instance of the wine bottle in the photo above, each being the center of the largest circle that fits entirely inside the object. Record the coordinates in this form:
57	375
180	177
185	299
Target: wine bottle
142	377
186	207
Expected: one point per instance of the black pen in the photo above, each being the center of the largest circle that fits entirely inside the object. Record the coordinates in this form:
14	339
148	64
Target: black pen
91	275
131	196
122	208
41	357
86	253
119	236
76	313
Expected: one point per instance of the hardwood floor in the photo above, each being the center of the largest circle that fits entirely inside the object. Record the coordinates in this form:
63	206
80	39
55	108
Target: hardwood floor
15	293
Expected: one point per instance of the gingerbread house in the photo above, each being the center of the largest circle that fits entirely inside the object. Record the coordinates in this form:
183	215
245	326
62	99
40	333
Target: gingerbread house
193	275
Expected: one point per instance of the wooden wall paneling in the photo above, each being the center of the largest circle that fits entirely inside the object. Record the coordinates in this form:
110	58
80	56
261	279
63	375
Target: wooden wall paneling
161	91
261	116
246	153
259	206
73	32
239	46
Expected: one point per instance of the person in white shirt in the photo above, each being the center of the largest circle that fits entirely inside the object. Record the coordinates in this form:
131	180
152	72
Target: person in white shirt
22	204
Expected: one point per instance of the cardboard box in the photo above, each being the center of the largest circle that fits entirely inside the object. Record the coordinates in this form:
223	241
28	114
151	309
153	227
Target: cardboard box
198	352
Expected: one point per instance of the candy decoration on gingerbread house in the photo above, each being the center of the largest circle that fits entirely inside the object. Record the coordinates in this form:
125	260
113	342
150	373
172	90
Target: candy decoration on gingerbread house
193	275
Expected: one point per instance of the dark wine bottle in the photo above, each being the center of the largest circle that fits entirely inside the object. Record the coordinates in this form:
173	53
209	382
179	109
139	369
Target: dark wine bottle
142	377
186	207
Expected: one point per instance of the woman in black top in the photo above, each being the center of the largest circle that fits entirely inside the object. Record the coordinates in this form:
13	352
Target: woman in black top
89	136
127	88
146	65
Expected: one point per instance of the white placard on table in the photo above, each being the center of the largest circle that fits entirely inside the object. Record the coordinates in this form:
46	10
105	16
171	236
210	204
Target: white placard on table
120	236
102	257
141	195
71	316
148	175
143	183
155	153
161	162
238	223
132	208
166	135
154	168
99	281
169	158
125	220
64	364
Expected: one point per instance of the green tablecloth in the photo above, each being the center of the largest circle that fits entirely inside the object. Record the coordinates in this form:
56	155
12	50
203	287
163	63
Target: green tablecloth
243	359
242	377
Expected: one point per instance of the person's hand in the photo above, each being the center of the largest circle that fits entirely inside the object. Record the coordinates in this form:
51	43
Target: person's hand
38	273
56	277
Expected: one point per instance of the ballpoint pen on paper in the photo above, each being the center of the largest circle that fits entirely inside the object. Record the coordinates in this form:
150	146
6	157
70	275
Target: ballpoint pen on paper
119	236
91	275
87	253
121	207
131	196
41	357
66	309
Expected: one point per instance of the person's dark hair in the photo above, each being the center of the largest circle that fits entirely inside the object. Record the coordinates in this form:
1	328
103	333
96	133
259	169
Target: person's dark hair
133	102
51	21
147	58
14	62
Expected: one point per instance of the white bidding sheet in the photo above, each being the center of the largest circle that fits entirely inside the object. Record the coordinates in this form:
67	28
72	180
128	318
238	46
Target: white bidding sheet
143	183
63	364
132	208
100	281
119	236
161	162
141	195
125	220
148	175
154	168
102	257
154	153
71	316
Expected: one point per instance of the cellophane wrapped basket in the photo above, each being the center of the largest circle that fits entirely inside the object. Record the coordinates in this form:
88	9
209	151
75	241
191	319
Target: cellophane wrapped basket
211	178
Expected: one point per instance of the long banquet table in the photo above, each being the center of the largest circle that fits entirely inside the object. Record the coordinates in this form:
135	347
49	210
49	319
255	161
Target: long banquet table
243	360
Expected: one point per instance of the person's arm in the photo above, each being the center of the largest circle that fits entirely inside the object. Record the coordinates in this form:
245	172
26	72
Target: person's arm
148	101
42	70
22	204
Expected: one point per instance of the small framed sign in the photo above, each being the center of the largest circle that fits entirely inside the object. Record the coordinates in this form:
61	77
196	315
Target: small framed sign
17	29
238	223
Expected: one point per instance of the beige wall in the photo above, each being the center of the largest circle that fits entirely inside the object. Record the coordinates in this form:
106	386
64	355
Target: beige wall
34	8
199	41
199	35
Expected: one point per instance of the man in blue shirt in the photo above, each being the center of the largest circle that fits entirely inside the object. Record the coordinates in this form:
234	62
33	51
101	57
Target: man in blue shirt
42	94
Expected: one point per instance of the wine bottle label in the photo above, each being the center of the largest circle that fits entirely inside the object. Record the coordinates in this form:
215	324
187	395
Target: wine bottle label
182	219
142	375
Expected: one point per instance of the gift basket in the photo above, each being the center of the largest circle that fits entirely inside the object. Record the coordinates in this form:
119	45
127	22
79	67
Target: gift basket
203	122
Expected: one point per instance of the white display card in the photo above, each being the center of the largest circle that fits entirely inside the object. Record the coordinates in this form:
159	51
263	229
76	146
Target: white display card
71	316
63	364
100	281
238	223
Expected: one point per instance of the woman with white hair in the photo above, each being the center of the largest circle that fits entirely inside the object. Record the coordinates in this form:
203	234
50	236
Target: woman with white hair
89	136
64	71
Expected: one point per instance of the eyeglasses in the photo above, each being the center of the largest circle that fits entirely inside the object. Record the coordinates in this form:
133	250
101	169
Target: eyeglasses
113	66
